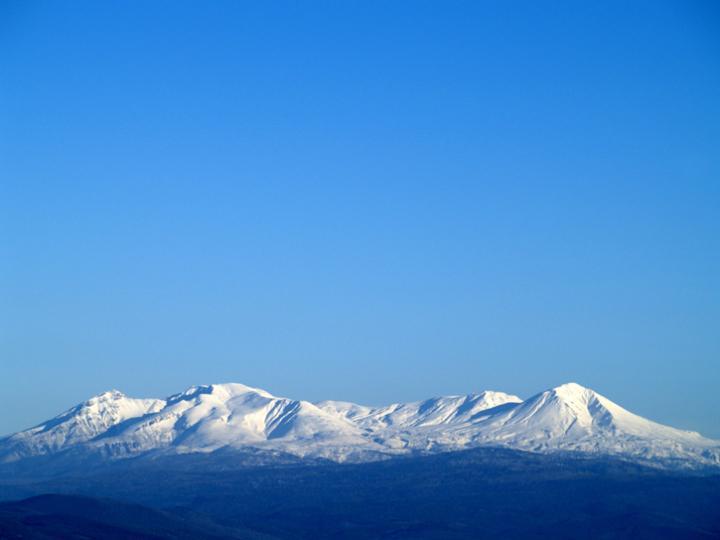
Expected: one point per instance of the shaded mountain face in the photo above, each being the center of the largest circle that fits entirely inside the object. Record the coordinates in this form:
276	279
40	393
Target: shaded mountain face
65	517
482	492
205	419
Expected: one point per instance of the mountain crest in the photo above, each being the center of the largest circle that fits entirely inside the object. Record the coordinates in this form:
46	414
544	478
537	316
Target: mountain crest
206	418
109	394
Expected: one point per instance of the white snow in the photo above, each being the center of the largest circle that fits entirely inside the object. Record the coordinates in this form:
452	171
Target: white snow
78	425
206	418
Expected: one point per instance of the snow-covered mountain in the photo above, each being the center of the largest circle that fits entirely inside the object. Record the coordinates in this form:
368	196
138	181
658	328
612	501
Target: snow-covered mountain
234	416
447	410
78	425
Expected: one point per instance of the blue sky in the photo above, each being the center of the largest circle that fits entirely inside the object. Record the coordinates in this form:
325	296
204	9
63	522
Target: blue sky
371	201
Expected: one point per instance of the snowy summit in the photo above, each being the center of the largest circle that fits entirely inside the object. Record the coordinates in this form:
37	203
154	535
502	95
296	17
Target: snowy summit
568	418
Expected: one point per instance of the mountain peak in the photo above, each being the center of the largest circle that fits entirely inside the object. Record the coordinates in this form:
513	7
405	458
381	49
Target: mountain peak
109	395
235	389
222	391
571	386
205	418
574	392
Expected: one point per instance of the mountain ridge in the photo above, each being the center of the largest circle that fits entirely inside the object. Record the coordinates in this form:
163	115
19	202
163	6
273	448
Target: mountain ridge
207	418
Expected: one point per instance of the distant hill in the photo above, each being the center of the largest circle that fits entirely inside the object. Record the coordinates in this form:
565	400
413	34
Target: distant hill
487	493
74	517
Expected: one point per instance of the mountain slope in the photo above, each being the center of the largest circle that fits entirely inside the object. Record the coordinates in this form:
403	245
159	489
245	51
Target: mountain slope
238	417
48	517
483	492
77	425
573	418
207	418
435	411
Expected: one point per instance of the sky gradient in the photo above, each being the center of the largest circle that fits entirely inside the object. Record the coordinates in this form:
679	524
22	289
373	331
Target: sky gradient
368	201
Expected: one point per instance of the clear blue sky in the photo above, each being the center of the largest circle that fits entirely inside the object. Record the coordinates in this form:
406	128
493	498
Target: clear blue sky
371	201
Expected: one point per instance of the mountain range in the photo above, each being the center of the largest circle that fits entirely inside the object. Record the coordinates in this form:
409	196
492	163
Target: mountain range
208	418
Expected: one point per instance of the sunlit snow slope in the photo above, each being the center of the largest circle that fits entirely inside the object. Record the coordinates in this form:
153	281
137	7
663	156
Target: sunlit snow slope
234	416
